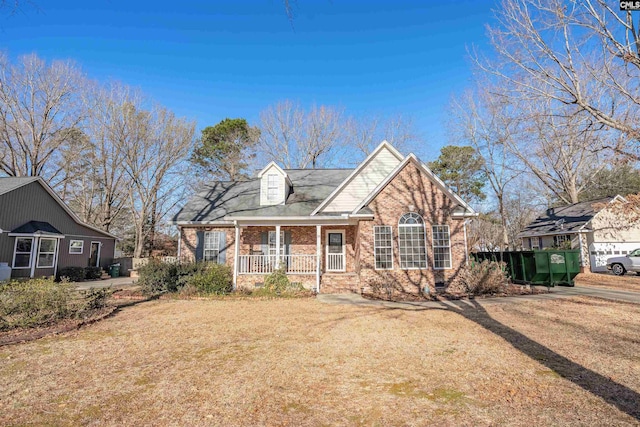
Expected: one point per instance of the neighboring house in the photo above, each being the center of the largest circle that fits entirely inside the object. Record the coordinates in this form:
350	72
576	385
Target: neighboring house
595	227
39	234
333	230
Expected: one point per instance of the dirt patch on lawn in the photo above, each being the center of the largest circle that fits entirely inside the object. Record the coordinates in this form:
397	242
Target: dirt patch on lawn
628	282
300	362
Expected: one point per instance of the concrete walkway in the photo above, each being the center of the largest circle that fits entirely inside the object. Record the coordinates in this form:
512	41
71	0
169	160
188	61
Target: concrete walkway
556	292
118	282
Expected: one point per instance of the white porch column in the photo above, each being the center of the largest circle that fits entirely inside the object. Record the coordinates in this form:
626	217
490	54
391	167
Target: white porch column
34	255
236	257
318	256
277	246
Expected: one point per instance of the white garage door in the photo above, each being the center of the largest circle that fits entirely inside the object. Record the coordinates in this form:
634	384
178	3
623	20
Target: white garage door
599	252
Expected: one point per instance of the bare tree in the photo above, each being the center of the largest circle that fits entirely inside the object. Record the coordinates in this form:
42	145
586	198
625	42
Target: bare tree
154	152
296	138
41	112
100	193
488	125
366	133
580	57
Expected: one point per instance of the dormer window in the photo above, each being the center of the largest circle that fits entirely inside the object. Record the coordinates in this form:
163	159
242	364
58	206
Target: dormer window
272	187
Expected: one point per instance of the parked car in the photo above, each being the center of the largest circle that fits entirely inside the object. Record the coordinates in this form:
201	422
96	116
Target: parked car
619	265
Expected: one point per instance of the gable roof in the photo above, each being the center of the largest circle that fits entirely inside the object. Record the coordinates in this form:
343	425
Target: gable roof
383	145
12	183
8	184
424	168
221	201
564	219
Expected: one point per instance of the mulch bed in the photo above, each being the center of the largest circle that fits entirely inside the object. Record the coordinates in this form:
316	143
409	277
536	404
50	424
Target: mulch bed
512	290
21	335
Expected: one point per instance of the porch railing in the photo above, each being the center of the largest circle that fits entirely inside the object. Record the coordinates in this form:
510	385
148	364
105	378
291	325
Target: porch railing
335	262
265	264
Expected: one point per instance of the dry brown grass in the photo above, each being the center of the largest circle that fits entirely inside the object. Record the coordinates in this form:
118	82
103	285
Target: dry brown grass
300	362
628	282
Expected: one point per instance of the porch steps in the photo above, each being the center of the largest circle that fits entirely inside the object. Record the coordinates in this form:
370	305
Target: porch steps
340	283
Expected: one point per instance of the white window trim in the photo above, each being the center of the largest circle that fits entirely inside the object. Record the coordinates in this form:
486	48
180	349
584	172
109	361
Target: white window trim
426	255
344	252
273	248
53	259
215	249
448	246
537	245
98	256
375	255
275	186
15	246
81	247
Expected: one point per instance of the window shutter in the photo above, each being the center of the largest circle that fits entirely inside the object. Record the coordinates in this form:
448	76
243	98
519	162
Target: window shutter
222	254
287	243
264	236
199	245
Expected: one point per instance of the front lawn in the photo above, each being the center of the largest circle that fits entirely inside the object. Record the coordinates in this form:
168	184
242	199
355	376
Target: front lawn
301	362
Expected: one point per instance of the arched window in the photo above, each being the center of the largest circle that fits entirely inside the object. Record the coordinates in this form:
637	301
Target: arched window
411	241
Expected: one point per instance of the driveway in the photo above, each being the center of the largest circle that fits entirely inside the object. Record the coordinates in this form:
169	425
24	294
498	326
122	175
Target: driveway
556	292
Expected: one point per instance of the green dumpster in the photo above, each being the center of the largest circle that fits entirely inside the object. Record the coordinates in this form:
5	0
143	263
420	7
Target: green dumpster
547	267
114	270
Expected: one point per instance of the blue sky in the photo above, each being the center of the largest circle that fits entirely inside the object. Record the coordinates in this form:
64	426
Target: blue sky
208	60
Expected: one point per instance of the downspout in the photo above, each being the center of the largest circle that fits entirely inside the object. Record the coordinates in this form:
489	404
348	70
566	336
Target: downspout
179	242
466	249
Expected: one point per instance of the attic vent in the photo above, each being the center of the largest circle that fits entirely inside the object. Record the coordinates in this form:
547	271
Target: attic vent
560	223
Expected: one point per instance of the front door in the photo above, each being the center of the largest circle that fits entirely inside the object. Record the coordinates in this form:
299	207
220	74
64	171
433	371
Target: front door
94	258
335	251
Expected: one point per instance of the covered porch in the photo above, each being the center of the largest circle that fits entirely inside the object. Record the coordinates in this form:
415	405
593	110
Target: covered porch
304	251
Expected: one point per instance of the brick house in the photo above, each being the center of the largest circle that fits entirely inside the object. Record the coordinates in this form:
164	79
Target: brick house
333	230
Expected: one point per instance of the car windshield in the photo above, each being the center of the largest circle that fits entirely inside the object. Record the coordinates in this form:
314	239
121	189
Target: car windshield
635	253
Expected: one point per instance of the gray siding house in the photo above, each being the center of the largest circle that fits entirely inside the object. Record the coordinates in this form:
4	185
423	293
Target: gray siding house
39	234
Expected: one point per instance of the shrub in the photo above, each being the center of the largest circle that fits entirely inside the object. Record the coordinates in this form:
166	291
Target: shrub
73	274
277	284
215	279
96	298
34	302
92	273
487	277
158	277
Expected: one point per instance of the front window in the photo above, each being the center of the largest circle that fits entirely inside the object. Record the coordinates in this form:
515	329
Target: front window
562	241
272	243
211	246
272	187
76	247
382	247
22	254
411	241
441	247
46	253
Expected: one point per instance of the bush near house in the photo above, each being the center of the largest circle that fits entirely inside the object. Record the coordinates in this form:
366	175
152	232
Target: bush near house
277	284
92	273
216	279
40	302
481	278
71	274
157	277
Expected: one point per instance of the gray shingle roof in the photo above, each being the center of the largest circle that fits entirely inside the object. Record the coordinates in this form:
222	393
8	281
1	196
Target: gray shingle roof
567	219
33	227
10	183
242	198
